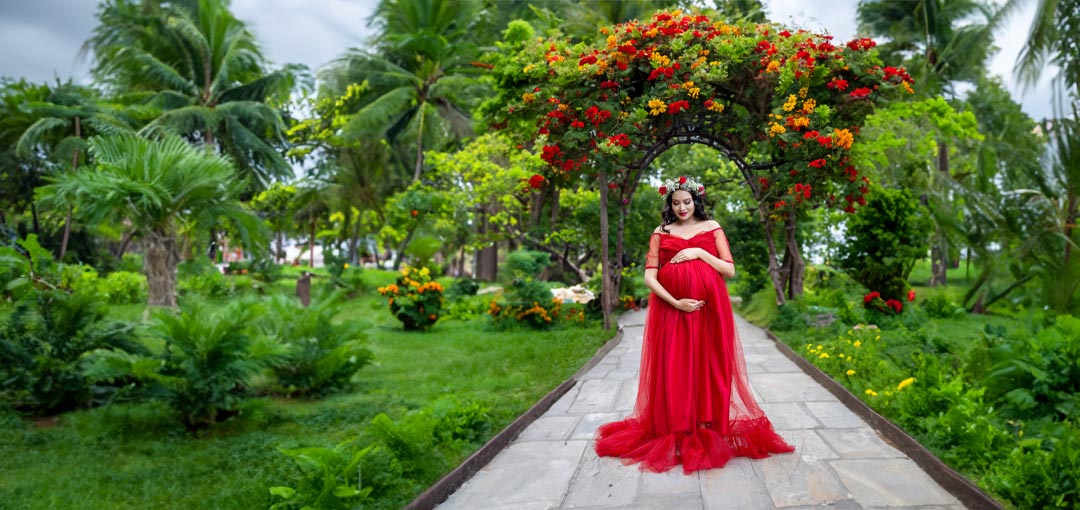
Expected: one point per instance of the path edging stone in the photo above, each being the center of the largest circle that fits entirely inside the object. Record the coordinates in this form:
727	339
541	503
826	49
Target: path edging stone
445	486
969	494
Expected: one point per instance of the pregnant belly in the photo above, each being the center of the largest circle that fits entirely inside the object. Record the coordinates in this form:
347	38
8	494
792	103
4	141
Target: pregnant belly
686	279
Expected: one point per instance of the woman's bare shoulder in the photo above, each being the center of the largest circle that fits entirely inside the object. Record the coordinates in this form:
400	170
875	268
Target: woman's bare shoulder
659	230
711	225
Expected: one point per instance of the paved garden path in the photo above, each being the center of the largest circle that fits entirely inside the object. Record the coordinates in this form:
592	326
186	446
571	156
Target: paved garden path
840	462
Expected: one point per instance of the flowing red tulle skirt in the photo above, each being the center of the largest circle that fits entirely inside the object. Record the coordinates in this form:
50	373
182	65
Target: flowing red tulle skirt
694	405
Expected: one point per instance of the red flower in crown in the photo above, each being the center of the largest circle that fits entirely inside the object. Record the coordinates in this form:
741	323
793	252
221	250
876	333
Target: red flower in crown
682	179
663	190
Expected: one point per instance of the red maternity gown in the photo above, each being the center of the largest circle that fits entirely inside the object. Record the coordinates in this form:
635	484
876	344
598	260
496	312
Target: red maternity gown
694	405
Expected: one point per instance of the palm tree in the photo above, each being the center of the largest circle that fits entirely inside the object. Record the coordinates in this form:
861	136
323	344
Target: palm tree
19	175
201	69
1053	39
418	75
156	186
944	42
65	119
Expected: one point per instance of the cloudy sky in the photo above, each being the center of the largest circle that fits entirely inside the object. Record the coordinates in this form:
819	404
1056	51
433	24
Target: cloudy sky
40	39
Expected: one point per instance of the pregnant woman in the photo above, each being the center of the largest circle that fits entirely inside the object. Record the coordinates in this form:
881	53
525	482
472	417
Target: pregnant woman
694	405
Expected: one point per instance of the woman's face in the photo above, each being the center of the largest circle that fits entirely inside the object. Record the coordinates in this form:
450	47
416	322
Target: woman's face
682	204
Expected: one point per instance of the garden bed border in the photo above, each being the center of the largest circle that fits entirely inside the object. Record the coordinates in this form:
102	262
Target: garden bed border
445	486
969	494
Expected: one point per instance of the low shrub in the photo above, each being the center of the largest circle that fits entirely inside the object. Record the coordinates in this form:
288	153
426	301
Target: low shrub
415	299
42	348
321	355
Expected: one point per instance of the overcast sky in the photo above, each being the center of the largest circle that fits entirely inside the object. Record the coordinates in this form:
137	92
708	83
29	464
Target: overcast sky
40	39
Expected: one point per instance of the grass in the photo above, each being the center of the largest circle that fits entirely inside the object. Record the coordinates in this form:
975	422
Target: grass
137	455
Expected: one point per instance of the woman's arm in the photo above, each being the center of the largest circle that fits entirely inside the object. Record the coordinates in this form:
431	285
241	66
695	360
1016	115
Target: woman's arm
686	305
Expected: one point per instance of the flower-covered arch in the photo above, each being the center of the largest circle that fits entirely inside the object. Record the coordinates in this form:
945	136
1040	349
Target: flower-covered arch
785	106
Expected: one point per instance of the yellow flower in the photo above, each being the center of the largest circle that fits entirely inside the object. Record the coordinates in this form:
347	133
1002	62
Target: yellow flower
905	383
528	97
809	105
659	60
716	106
857	343
773	66
790	103
802	92
612	42
800	122
776	129
824	355
908	88
346	266
657	106
870	392
850	372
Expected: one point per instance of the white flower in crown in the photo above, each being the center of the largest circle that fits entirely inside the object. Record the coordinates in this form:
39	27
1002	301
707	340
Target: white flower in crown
684	183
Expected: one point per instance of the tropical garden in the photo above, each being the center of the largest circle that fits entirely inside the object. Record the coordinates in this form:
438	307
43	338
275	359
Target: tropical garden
404	211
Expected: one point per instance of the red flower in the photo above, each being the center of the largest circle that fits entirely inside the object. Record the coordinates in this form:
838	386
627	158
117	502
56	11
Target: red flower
813	133
536	181
628	49
682	179
837	84
817	163
662	190
764	182
860	93
871	296
414	212
911	295
577	124
677	106
895	305
620	139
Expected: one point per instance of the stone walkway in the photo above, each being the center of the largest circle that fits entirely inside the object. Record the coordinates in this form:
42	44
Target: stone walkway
839	461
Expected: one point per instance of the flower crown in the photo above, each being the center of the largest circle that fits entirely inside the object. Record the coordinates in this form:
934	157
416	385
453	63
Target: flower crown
682	182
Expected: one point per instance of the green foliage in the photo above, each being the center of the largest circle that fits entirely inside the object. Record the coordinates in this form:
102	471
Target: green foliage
42	345
131	262
525	264
211	285
884	240
27	266
938	305
123	287
1040	374
397	455
322	355
415	299
209	358
463	287
1042	471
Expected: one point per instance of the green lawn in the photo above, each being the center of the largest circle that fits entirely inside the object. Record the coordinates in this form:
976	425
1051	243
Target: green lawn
138	456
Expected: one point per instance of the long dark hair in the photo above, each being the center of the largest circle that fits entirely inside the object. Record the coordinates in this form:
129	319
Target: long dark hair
668	216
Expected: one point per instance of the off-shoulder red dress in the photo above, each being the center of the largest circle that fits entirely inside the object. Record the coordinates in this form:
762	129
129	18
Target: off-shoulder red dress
694	405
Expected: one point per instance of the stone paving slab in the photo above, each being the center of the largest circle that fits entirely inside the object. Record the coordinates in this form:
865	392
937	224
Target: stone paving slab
840	462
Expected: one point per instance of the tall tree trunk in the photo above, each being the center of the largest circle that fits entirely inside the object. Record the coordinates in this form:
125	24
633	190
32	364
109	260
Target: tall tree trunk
34	218
279	252
487	258
311	243
401	248
160	269
939	252
939	258
794	263
419	146
74	168
774	266
608	288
